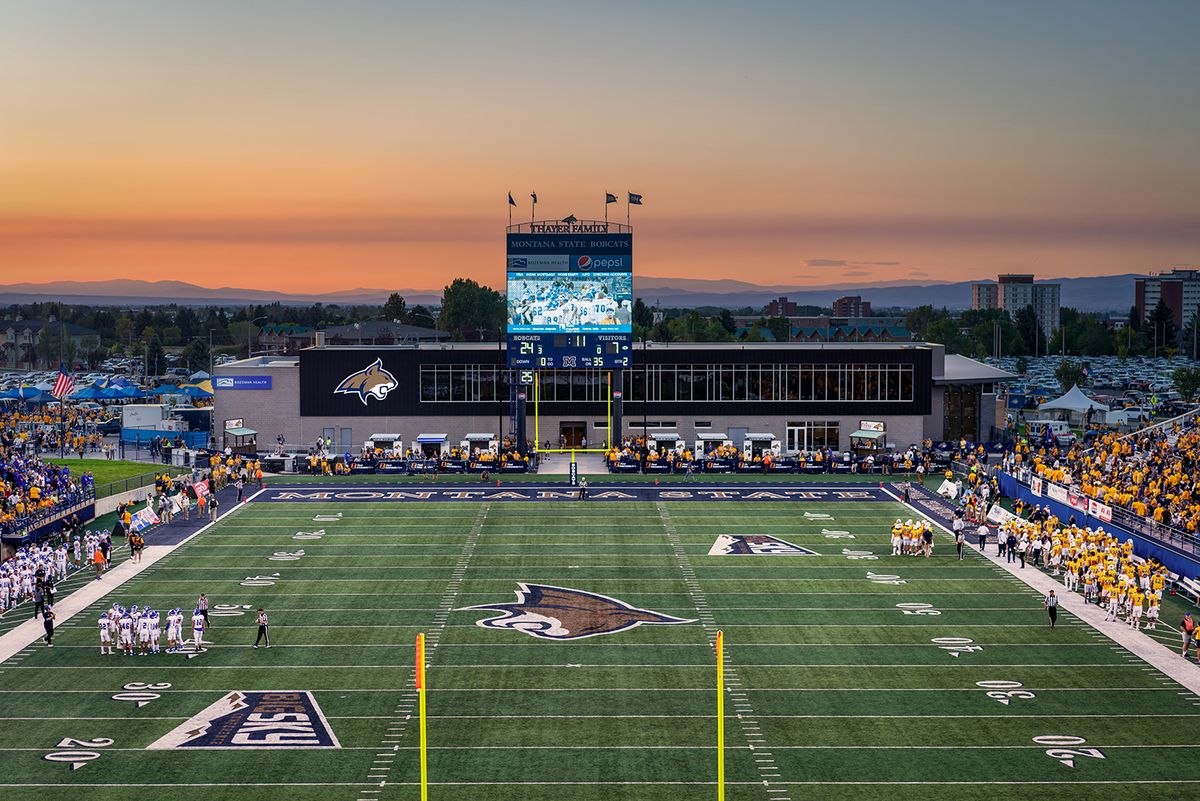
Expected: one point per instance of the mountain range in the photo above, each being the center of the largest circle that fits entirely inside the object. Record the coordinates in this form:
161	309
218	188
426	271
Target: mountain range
1097	293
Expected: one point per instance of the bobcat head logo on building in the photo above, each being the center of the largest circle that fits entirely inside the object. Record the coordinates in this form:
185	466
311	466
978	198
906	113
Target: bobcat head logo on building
560	613
370	382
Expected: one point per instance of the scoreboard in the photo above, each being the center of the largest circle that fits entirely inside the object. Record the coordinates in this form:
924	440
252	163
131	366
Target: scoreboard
570	297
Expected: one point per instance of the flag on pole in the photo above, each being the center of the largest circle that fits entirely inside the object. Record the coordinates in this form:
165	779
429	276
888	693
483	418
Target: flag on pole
534	196
609	198
511	202
635	200
64	384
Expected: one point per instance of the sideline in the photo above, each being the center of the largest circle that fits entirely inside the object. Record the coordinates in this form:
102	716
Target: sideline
1158	655
29	632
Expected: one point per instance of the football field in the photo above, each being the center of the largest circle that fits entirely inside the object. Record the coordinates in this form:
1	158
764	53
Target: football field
589	673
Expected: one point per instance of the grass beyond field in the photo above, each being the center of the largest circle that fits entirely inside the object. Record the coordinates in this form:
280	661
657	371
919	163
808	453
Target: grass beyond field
106	471
842	683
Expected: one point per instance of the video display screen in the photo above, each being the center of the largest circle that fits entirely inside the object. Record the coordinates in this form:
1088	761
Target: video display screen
570	303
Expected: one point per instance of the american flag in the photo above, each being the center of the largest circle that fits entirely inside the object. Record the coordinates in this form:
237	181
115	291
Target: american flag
64	384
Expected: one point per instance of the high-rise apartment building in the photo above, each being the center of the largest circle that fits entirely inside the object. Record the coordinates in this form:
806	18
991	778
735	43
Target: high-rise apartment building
1014	291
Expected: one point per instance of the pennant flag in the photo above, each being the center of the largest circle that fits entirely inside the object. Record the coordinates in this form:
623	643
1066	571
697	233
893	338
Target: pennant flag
635	200
511	202
64	384
534	196
609	198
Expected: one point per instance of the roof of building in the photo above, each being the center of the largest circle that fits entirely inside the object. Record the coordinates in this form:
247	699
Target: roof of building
38	325
959	369
285	329
383	329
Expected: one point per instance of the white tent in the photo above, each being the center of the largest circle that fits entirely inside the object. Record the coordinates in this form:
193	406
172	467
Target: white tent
1074	403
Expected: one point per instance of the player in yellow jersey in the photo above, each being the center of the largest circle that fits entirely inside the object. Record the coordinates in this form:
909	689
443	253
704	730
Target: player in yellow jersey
1157	582
1135	608
1152	614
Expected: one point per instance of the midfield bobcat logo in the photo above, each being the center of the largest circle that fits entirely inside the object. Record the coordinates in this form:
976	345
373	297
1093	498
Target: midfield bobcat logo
559	613
371	382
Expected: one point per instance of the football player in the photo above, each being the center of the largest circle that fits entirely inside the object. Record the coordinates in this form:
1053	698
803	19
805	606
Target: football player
106	633
143	631
125	632
197	629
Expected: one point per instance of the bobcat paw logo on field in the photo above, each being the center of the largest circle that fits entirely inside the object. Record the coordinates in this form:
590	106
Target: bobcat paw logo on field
370	382
559	613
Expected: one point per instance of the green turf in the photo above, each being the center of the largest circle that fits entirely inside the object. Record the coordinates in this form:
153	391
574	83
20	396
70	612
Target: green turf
830	681
106	471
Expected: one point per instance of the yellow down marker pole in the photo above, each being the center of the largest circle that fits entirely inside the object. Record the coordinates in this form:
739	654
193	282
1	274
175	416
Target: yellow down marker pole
421	713
720	716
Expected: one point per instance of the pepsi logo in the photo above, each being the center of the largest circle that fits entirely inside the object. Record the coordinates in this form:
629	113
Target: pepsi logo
585	262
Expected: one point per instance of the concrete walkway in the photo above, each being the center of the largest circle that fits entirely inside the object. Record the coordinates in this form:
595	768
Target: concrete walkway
1157	655
22	637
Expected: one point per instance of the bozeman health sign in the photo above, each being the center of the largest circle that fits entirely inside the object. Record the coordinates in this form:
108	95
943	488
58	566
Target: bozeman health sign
242	382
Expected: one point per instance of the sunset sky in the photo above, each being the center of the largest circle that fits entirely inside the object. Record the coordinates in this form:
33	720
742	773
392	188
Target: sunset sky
307	146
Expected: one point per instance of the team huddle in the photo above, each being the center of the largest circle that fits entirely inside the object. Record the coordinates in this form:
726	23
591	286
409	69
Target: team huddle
912	539
138	630
566	303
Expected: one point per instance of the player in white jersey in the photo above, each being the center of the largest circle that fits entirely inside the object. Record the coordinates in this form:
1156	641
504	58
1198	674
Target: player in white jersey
143	631
125	632
60	561
77	548
3	593
198	629
155	631
174	630
106	633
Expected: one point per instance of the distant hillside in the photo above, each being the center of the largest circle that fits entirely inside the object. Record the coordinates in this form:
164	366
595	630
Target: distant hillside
1097	294
1101	293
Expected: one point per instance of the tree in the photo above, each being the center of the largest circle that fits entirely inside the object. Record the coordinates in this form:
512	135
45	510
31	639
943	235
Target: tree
1186	381
1022	365
727	321
1069	374
1135	319
780	328
154	355
196	355
396	308
1161	323
642	315
470	309
1030	330
421	316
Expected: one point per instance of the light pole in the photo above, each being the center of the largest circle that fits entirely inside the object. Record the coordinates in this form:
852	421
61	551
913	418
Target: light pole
249	328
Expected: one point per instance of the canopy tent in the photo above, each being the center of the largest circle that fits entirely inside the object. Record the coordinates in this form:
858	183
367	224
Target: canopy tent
1074	401
87	393
200	389
194	391
164	389
871	435
28	393
479	437
199	375
431	439
756	437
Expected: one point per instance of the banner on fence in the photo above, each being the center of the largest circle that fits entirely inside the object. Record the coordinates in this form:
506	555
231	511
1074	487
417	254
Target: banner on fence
201	488
948	489
1035	485
1099	510
1056	492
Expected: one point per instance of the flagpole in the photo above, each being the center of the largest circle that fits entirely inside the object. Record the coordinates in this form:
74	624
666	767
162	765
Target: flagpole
606	211
510	205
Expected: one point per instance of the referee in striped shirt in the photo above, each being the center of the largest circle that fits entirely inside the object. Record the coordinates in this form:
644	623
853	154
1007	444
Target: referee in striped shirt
263	634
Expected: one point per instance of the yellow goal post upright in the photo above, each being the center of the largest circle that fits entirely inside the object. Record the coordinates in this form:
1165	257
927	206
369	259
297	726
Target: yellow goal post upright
720	716
537	420
421	716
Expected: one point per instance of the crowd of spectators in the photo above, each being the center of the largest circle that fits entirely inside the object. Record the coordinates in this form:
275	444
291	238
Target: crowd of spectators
1155	473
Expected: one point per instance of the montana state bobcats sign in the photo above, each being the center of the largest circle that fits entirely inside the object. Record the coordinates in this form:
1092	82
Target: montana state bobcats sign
370	382
560	613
